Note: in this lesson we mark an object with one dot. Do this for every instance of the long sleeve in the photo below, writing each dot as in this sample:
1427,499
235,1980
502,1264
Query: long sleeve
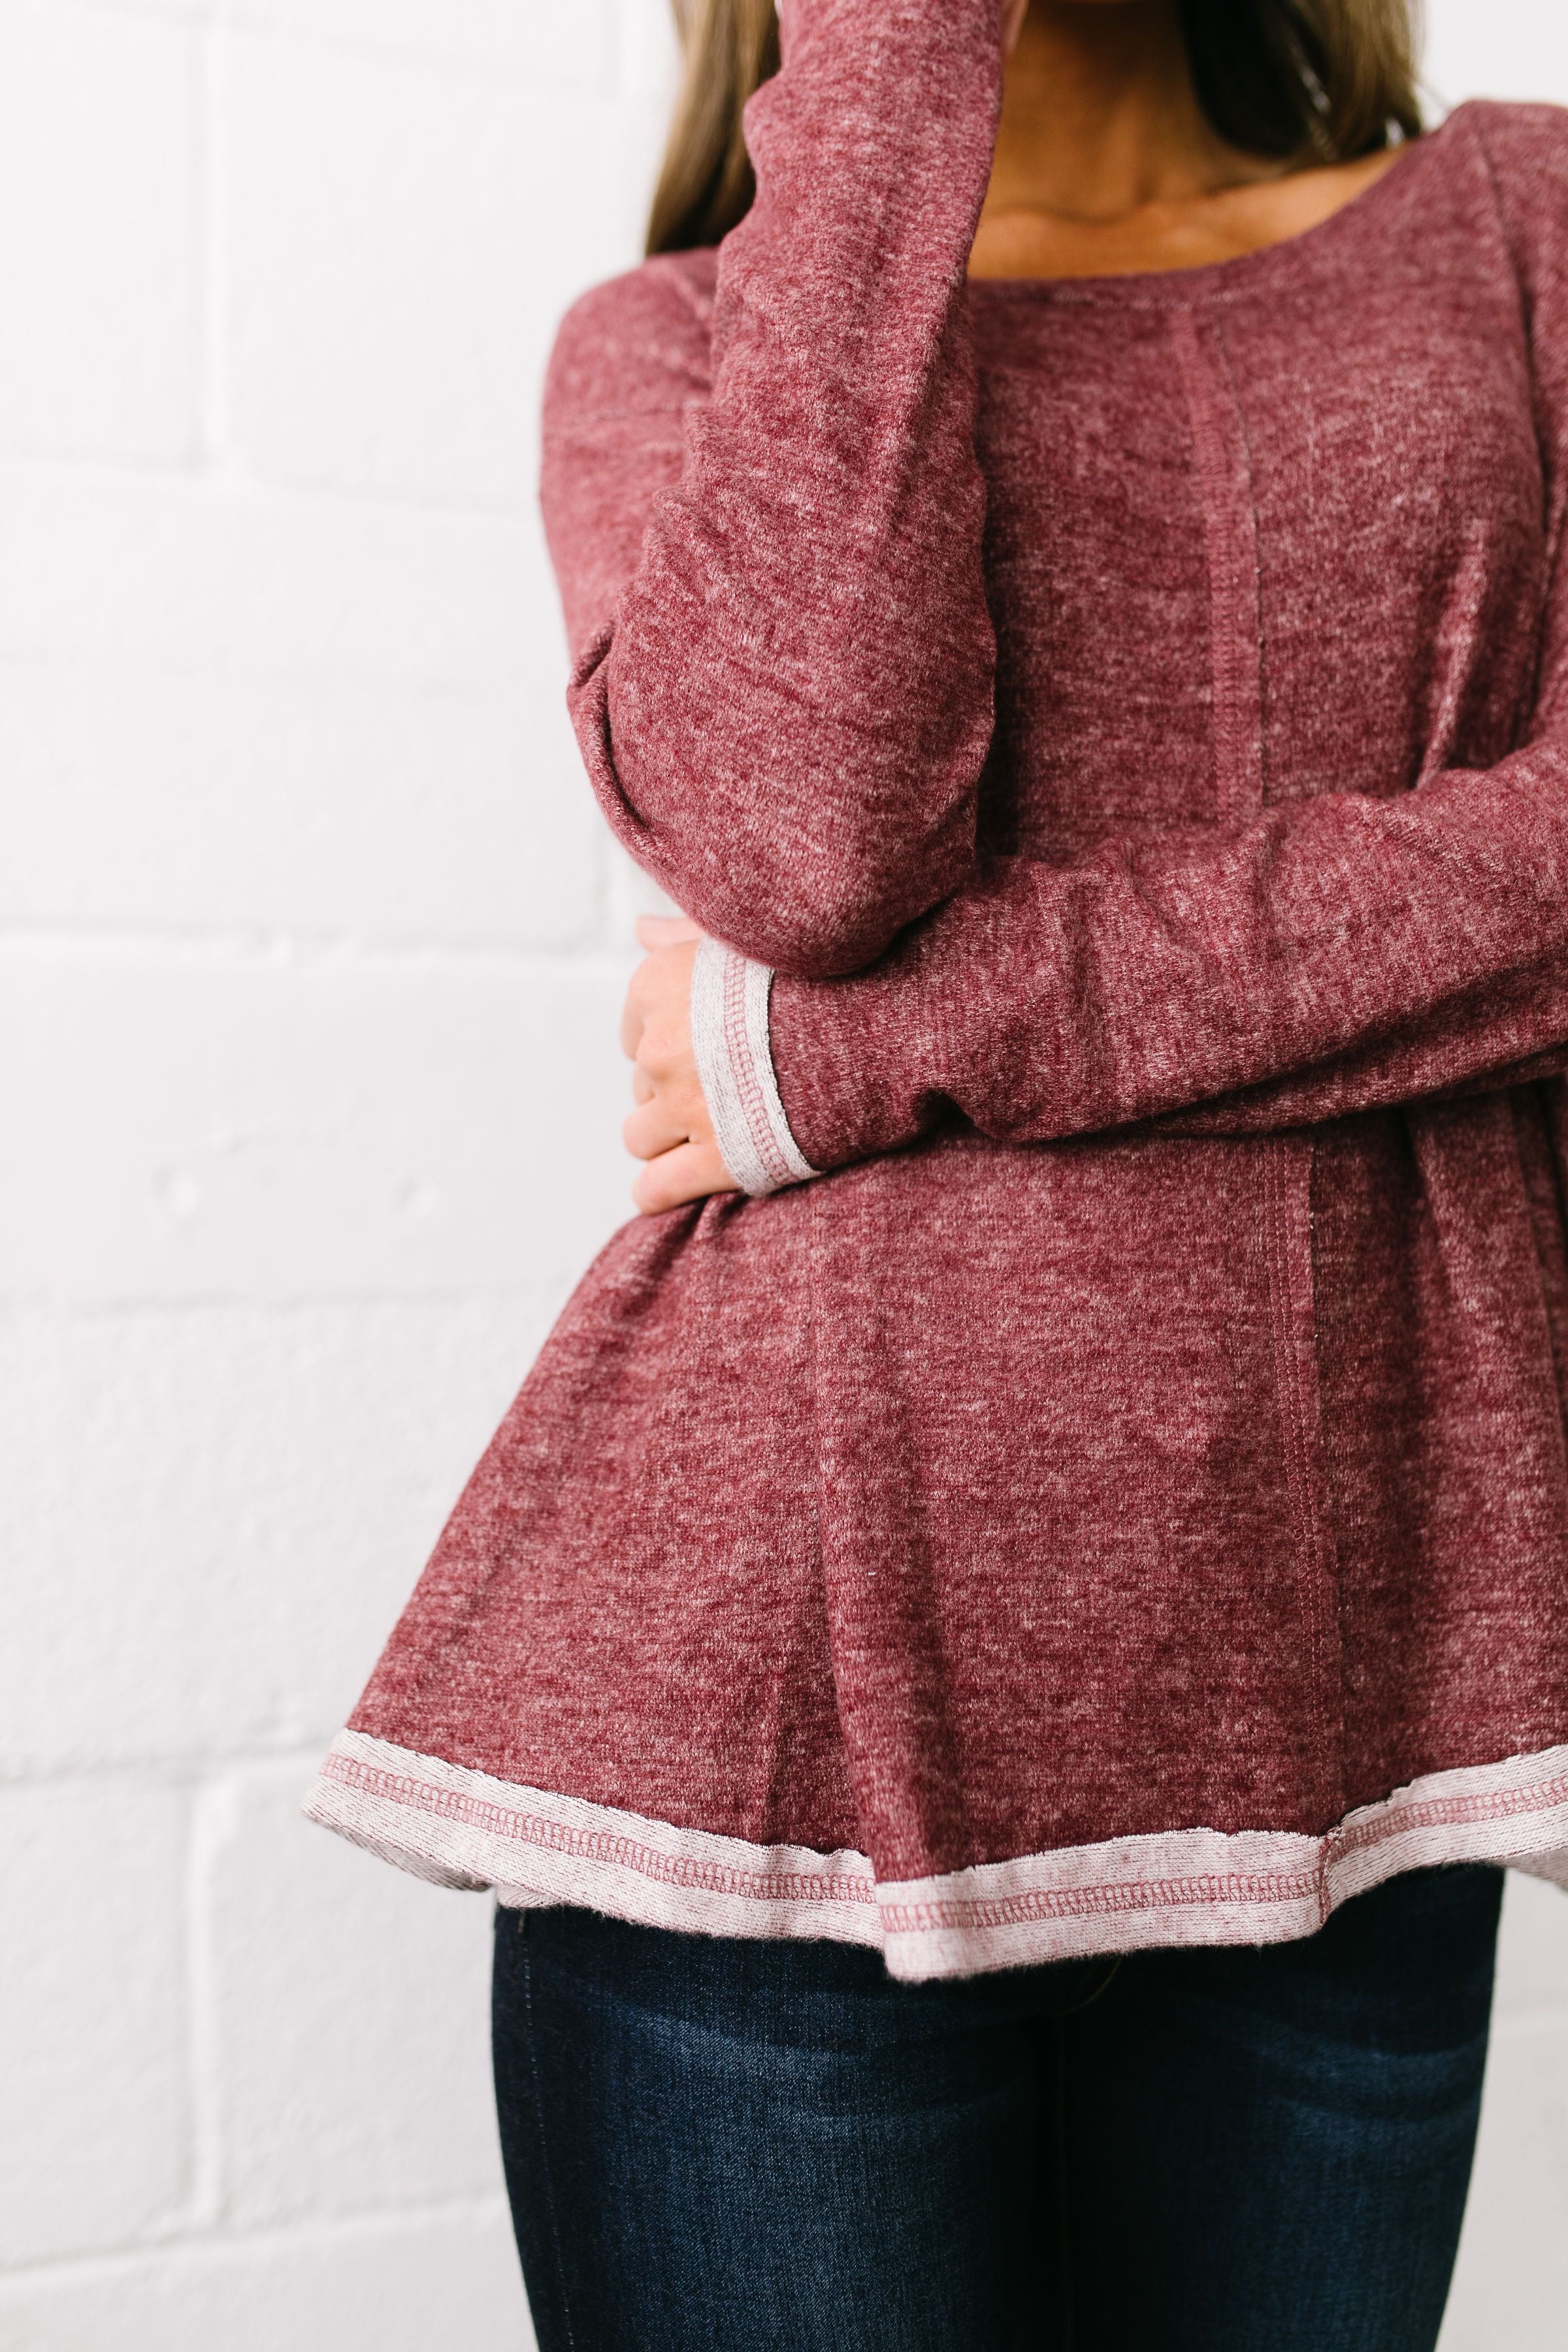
1340,954
1335,957
785,702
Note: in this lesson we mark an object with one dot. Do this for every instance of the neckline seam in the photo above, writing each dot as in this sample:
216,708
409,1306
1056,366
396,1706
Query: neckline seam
1152,289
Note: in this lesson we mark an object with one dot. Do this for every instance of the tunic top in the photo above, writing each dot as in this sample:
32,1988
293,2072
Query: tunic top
1115,732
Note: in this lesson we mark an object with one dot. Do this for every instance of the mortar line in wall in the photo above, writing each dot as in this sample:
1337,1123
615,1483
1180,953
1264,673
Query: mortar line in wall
543,1297
218,462
504,510
204,1773
603,90
538,1293
136,2252
163,12
602,897
507,687
316,952
20,456
214,1816
214,450
506,690
202,256
223,474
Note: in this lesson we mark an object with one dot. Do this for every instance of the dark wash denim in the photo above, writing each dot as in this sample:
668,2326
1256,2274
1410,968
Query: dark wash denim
747,2147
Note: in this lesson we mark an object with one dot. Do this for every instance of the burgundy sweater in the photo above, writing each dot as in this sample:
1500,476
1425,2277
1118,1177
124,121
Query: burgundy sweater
1115,732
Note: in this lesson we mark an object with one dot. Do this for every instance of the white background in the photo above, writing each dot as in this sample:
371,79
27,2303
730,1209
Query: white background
312,946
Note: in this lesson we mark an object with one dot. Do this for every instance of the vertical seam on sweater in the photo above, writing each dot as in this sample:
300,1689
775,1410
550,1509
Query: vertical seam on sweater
1224,462
1326,1587
1288,1171
1249,614
818,1211
1230,540
1548,1095
1516,1110
1285,1371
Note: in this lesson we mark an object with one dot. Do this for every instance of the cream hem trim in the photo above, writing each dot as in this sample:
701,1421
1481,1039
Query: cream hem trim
731,1047
461,1828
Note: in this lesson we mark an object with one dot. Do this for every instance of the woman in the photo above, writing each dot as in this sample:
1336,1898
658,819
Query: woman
992,1684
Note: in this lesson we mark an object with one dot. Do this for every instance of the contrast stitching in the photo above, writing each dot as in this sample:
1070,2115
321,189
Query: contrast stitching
713,1050
743,1071
1325,1589
729,1042
596,1845
1301,1484
1167,1892
1230,541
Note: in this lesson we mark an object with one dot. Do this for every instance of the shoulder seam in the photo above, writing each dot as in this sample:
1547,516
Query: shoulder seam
1472,124
612,295
613,416
1555,535
587,420
687,292
661,287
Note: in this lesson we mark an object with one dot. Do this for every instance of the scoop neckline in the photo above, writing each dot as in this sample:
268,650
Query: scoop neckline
1174,285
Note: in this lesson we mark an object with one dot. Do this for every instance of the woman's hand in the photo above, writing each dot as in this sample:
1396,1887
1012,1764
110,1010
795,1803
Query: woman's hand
1013,15
671,1127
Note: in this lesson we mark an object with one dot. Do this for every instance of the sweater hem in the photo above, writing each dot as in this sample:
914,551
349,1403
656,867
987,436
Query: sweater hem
462,1828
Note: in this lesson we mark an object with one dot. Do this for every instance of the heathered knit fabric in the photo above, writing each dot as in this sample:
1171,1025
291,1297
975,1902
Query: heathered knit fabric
1130,718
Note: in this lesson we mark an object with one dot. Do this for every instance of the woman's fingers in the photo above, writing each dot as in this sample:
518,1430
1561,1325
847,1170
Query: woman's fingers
652,1128
659,990
634,1012
690,1172
670,1128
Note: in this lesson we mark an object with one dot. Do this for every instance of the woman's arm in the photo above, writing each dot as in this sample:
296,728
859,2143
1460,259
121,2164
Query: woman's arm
703,1129
1340,953
784,706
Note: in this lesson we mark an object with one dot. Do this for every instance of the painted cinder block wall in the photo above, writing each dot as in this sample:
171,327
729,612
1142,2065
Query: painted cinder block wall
311,945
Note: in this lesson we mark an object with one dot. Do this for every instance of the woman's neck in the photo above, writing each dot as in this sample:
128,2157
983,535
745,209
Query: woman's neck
1105,161
1100,115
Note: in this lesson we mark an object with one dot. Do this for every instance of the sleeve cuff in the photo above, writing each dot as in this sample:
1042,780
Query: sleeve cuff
734,1061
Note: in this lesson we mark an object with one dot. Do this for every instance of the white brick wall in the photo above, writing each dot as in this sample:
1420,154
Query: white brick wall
298,884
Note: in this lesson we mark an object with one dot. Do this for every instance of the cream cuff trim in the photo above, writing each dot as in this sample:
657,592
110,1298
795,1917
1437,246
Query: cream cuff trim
730,1038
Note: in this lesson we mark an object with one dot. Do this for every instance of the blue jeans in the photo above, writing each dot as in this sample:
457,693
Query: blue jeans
744,2146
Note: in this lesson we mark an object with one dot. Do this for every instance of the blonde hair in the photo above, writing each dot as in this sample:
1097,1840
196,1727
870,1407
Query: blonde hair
731,47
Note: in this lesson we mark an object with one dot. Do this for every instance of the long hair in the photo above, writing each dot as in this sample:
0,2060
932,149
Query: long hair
705,186
1320,80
